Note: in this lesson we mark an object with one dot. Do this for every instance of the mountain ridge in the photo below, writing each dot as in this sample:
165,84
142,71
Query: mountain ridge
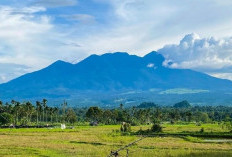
108,73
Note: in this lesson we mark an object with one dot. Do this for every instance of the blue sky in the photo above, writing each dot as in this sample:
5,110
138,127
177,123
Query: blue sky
192,34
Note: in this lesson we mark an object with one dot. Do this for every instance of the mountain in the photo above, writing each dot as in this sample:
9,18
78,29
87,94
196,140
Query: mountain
109,76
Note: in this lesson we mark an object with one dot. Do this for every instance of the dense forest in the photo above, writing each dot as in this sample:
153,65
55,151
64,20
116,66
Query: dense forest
40,114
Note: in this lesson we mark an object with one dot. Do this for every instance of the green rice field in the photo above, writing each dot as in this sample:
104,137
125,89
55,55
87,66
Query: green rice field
101,140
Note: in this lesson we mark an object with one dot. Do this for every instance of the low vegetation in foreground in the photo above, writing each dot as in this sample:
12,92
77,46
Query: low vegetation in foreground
101,140
180,130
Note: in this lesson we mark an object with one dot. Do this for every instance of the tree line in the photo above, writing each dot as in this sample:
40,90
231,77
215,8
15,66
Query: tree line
26,114
16,113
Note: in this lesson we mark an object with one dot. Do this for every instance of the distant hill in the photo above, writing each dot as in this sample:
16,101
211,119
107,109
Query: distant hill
106,79
147,105
182,104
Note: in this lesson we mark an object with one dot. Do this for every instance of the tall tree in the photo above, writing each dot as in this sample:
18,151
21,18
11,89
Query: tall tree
94,113
44,107
38,111
16,110
56,112
64,105
29,110
71,116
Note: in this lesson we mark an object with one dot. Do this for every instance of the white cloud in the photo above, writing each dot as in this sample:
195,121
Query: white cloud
222,75
33,37
21,34
150,65
208,55
25,10
54,3
31,40
10,70
140,26
199,53
83,18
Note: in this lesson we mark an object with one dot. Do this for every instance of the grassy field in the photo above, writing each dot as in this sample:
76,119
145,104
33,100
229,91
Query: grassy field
100,140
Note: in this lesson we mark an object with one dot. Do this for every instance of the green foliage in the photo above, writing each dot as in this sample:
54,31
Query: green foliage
6,118
71,116
202,130
42,114
156,128
147,105
198,124
202,117
125,127
94,113
182,104
24,121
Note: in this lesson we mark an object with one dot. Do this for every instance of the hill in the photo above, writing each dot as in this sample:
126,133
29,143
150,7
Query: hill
182,104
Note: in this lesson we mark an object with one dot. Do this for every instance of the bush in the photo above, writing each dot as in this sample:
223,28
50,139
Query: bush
202,130
125,127
172,122
134,122
198,124
156,128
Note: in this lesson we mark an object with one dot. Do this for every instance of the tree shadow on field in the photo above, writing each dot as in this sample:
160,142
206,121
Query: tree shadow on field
92,143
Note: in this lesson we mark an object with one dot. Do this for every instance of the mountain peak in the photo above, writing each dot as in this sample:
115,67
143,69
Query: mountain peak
59,64
155,57
95,56
116,54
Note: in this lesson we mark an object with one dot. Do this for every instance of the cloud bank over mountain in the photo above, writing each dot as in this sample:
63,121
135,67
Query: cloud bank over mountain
209,55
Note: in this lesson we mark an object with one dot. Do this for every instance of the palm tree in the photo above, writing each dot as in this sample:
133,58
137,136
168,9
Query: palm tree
64,105
52,112
13,102
46,113
1,106
16,111
56,111
8,108
29,110
44,107
38,109
121,106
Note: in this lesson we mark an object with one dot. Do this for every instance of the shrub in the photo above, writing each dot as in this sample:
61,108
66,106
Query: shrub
202,130
125,127
156,128
198,124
